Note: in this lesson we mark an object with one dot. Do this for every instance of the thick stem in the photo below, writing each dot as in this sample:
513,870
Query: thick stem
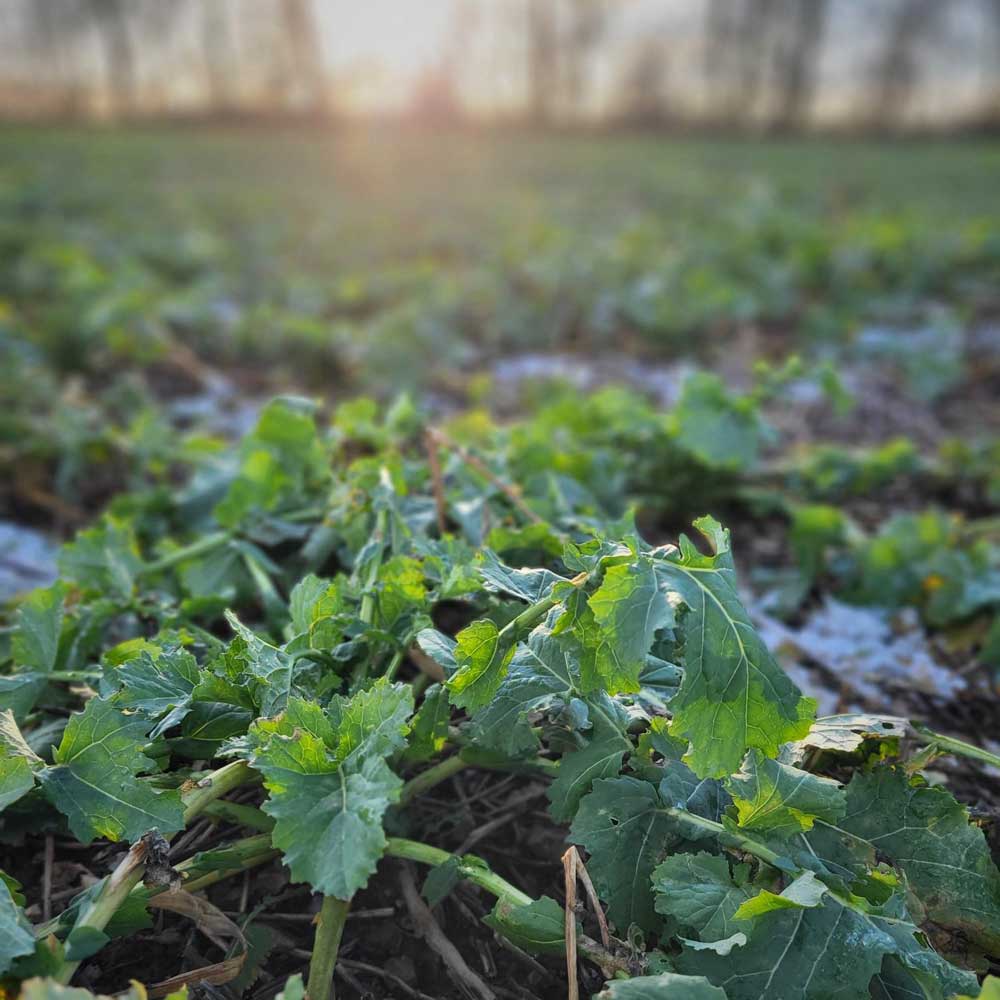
199,548
426,780
215,785
329,930
955,746
425,854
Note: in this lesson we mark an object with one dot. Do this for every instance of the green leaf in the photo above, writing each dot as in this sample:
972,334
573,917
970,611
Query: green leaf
16,937
94,780
482,656
716,427
628,608
529,585
328,786
51,989
430,725
16,779
922,830
601,758
159,686
328,818
622,826
734,696
104,559
665,986
782,800
374,722
271,670
699,893
440,648
39,625
804,893
538,928
294,989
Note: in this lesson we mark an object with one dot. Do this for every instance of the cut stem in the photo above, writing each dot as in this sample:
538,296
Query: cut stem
329,931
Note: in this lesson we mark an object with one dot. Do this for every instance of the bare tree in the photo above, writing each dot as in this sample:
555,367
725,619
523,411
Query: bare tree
587,24
897,67
644,100
307,71
111,20
542,58
798,60
218,53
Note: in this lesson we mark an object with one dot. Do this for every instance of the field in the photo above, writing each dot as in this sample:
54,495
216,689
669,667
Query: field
499,565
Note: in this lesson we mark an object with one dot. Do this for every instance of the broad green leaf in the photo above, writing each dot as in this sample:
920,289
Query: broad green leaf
16,779
104,558
328,786
718,428
530,585
159,686
374,721
429,731
271,669
782,800
39,624
294,989
538,928
441,648
922,830
990,991
51,989
328,818
665,986
628,608
734,696
19,692
16,936
600,758
482,656
94,779
699,893
623,827
402,591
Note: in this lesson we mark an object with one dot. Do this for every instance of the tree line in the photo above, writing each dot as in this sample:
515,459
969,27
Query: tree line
728,63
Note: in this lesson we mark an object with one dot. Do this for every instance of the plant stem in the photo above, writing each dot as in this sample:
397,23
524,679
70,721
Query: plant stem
199,548
533,614
394,664
956,746
214,786
426,780
239,814
425,854
329,930
333,912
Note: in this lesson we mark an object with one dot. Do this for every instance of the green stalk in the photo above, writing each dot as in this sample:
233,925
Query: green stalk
425,854
329,931
199,548
333,912
955,746
532,615
426,780
130,871
214,786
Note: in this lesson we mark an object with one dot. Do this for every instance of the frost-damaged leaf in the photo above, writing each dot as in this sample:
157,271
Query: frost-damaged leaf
623,827
699,893
925,832
16,936
483,656
666,986
628,608
734,696
328,784
782,800
846,733
806,943
159,686
39,623
94,779
538,927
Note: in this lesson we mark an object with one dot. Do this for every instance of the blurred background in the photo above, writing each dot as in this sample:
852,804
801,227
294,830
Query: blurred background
776,64
773,224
